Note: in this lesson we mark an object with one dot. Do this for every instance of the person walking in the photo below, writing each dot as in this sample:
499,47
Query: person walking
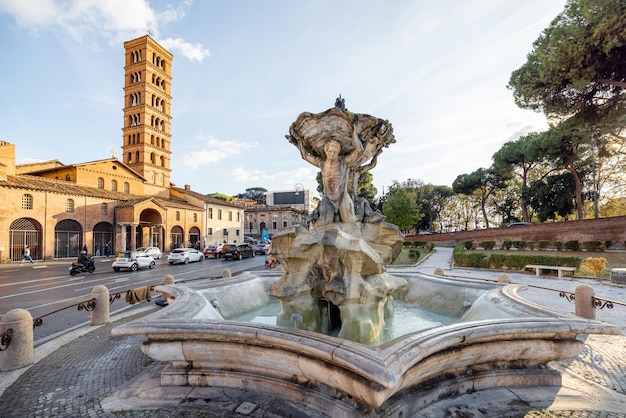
26,255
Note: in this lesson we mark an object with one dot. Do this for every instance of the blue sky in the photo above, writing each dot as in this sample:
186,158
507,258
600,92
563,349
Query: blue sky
244,70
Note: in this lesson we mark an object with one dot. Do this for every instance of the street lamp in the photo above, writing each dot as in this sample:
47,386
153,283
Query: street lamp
298,187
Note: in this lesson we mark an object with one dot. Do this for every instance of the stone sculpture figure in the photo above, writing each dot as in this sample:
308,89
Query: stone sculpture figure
341,264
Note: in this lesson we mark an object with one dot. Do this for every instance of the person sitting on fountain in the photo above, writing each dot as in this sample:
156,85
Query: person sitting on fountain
335,173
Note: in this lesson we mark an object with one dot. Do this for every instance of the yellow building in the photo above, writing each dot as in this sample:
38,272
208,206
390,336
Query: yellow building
110,204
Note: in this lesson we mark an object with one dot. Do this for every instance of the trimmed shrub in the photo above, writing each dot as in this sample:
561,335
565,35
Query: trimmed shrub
543,244
608,243
558,245
414,254
520,245
487,245
572,245
507,244
407,243
498,261
531,245
471,259
594,265
468,245
593,245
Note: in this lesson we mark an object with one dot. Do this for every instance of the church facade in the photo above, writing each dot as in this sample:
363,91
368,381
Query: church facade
113,204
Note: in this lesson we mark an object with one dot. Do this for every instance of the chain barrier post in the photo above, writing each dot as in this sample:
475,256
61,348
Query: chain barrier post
584,301
100,314
17,347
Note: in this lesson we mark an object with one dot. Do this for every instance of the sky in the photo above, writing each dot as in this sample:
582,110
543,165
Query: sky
244,70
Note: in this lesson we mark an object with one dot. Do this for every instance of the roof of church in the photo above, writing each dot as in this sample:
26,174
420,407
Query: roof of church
44,184
205,198
53,165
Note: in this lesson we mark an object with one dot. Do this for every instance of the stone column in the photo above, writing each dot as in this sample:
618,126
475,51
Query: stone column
584,301
20,351
100,315
122,244
133,236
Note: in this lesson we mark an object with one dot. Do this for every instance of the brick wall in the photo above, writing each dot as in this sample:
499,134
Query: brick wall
612,229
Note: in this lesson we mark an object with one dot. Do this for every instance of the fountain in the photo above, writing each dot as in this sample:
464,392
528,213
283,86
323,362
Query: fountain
335,278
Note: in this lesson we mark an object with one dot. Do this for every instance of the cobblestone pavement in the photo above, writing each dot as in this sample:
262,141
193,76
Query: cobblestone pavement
76,379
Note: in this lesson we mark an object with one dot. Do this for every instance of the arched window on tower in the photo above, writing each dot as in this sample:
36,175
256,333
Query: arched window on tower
152,157
129,157
136,156
162,158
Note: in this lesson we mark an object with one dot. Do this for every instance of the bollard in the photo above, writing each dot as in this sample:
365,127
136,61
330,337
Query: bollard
20,350
584,301
226,273
504,278
168,279
100,314
439,272
166,298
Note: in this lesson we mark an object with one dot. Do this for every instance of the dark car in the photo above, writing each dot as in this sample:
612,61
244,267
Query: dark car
262,249
237,251
213,251
519,224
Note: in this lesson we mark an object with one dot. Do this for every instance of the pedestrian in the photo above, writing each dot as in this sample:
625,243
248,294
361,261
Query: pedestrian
107,249
26,255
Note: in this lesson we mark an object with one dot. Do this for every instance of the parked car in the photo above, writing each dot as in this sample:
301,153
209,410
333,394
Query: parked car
262,249
237,251
213,251
153,252
132,260
185,255
519,224
249,240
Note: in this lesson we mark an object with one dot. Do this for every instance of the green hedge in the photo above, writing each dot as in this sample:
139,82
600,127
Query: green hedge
463,258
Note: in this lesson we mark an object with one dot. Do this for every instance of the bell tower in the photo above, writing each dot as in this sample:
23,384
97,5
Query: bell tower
147,115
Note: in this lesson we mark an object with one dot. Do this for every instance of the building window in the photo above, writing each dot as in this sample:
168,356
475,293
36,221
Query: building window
230,215
219,214
195,217
274,225
284,224
69,206
237,232
209,231
210,213
104,209
126,187
114,185
100,183
67,177
177,215
250,226
238,217
27,201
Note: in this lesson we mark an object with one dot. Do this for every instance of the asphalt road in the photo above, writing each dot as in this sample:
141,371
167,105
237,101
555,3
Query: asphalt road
47,287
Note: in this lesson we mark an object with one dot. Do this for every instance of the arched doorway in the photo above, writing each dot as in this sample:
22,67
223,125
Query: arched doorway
102,235
176,237
150,224
25,231
68,238
194,237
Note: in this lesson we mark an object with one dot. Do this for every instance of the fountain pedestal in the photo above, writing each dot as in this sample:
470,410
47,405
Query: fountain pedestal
335,277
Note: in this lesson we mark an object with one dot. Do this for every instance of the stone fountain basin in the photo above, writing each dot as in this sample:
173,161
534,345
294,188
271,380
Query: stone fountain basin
500,340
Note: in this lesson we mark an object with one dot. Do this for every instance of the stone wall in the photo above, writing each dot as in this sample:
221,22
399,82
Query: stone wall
612,229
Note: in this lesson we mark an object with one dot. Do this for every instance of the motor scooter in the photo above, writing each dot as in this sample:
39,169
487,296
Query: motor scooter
87,267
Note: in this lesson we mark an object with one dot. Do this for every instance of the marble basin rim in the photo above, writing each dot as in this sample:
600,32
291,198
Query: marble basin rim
501,339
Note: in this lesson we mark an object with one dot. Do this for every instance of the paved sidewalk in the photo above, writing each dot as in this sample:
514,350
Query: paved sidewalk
87,372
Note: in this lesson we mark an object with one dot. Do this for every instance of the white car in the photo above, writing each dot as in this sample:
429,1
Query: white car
153,252
132,260
185,255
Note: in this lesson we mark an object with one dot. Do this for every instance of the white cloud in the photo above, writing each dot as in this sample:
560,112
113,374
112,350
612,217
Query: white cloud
214,150
189,51
114,20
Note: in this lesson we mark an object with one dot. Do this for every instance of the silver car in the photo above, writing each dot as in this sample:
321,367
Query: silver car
153,252
132,260
185,255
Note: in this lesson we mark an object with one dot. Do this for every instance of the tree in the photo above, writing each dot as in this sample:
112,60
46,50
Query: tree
577,68
254,193
400,209
430,201
484,181
552,197
221,196
521,156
